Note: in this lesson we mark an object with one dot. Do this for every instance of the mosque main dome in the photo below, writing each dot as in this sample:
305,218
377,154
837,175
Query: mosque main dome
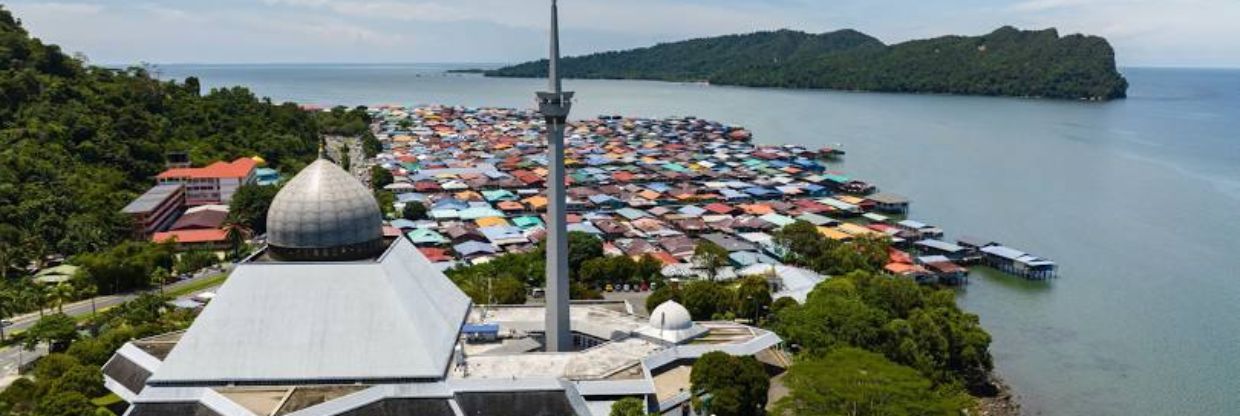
324,214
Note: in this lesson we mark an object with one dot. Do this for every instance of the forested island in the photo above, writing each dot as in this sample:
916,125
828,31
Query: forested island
1006,62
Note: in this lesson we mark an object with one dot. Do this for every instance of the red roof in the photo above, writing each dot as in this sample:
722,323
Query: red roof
435,255
718,208
239,168
191,236
665,257
390,231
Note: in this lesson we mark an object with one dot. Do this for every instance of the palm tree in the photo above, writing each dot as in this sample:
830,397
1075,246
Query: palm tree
35,297
60,294
160,277
236,233
89,290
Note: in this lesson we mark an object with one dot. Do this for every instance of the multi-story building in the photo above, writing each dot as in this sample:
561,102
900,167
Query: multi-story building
156,209
214,184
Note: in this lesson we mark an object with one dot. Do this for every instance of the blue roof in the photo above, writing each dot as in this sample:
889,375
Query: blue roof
403,223
480,328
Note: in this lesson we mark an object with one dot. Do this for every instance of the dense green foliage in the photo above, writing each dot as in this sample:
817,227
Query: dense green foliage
1007,62
711,257
851,381
249,205
737,385
910,324
380,177
78,142
63,383
55,329
600,271
707,300
125,266
699,59
807,248
413,211
628,406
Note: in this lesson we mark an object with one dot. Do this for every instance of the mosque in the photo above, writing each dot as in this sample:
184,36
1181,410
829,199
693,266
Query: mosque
332,318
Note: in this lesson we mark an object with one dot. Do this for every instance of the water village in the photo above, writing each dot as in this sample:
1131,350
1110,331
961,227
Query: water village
650,187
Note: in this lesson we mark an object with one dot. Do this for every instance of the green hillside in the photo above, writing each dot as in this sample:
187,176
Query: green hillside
78,142
1007,62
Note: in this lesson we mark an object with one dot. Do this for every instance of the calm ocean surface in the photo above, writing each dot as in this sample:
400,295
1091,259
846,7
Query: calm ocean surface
1138,200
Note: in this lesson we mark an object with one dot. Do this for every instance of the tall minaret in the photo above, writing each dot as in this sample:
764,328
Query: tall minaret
554,106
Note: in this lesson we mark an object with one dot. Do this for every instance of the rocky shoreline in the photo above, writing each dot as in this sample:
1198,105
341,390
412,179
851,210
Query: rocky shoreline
1005,402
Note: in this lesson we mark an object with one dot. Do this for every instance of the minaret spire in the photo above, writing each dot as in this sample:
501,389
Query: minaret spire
553,64
554,106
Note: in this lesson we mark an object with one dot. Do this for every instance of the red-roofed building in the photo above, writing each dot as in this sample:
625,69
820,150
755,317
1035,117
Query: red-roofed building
206,239
718,208
213,184
435,255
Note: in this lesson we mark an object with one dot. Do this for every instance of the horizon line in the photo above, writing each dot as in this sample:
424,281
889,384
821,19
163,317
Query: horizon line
465,65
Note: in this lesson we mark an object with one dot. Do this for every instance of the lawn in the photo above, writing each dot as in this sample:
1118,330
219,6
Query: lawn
197,285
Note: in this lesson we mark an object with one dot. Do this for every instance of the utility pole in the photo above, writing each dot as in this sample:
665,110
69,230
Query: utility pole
554,106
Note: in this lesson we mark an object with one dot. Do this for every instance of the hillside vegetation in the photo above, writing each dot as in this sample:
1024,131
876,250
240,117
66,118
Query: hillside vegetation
1007,62
78,142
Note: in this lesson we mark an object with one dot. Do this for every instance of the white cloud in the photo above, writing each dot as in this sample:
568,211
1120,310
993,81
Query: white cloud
37,10
1158,32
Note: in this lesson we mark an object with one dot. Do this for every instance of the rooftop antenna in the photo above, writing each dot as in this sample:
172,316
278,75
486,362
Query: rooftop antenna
554,106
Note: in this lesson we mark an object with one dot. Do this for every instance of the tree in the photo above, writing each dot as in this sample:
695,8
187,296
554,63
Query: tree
911,325
11,250
60,294
707,300
346,162
55,329
87,380
413,211
738,385
64,403
159,278
8,307
711,257
662,294
127,265
249,206
380,177
507,291
857,382
581,247
387,202
236,233
195,260
371,145
628,406
578,291
753,298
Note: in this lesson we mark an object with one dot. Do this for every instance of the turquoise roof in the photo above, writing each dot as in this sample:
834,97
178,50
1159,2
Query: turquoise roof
527,222
426,236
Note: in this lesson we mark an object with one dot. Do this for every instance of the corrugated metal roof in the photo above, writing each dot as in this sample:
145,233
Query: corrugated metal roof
397,318
151,199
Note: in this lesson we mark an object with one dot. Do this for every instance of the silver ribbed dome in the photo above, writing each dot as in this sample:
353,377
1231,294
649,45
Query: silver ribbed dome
324,213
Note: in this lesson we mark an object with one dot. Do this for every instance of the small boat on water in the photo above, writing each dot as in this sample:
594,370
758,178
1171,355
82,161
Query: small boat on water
831,152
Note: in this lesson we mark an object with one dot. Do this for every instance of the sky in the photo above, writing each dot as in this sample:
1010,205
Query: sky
1182,33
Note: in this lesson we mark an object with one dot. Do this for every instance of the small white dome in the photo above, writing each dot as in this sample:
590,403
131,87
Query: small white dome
671,316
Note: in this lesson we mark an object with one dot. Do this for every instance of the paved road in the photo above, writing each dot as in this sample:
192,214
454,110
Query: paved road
10,356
